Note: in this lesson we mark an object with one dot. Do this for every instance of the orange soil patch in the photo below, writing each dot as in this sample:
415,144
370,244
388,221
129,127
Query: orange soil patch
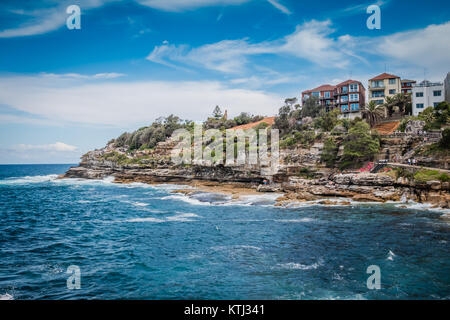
387,127
269,120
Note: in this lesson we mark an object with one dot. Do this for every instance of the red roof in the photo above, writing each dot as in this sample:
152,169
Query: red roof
348,82
384,76
325,87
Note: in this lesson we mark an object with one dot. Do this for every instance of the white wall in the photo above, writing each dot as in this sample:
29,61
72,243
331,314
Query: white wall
428,99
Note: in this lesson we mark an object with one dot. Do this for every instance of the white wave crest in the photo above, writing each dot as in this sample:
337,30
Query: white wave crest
179,217
390,256
296,220
28,179
299,266
6,296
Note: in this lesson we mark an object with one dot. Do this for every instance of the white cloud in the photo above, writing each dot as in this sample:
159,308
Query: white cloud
424,48
311,41
181,5
279,6
106,75
56,147
127,103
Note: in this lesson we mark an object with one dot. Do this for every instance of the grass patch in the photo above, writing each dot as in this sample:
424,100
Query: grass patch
425,175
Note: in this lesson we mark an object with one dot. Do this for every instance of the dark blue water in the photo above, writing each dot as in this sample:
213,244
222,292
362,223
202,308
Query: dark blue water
142,242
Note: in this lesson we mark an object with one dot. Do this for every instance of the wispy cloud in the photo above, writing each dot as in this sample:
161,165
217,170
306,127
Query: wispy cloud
41,20
182,5
361,8
279,6
106,75
311,41
57,147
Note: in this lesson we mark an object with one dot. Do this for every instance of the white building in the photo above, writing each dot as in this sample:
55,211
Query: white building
426,94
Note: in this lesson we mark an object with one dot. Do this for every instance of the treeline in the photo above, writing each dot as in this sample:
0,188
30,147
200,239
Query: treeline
148,137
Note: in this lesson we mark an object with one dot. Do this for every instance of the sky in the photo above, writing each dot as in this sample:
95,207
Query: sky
66,91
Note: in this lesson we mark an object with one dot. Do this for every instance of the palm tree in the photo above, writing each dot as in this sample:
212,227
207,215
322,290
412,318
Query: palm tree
373,112
389,105
403,101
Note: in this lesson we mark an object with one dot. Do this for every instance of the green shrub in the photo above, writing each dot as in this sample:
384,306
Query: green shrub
425,175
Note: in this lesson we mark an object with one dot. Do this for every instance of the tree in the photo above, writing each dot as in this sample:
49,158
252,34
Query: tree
311,107
444,143
389,105
403,101
359,144
290,102
441,113
282,121
217,113
329,152
327,120
427,115
372,113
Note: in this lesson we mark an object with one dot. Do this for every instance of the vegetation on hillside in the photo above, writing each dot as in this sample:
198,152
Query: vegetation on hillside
148,137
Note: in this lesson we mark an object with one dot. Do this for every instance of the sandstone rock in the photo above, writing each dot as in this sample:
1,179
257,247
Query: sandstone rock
365,197
269,188
434,184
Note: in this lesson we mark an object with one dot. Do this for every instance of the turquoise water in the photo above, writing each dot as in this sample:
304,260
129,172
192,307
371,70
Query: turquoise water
142,242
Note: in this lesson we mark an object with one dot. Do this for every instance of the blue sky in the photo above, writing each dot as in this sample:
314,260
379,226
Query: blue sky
64,92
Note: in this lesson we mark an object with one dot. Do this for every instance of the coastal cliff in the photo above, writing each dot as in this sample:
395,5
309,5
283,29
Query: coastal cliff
301,177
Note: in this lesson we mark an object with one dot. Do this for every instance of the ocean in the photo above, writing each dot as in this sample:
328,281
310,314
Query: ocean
138,241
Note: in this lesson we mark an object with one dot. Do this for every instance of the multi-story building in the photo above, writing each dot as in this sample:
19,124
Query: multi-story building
426,94
349,96
325,94
382,86
407,86
447,87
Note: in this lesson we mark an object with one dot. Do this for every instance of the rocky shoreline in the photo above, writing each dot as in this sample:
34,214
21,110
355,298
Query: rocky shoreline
358,187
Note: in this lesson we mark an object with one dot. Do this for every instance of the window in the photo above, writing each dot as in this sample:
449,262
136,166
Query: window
353,87
378,94
344,108
344,98
392,91
437,93
316,94
435,104
377,84
344,89
419,106
326,94
354,106
419,94
392,81
379,101
354,97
